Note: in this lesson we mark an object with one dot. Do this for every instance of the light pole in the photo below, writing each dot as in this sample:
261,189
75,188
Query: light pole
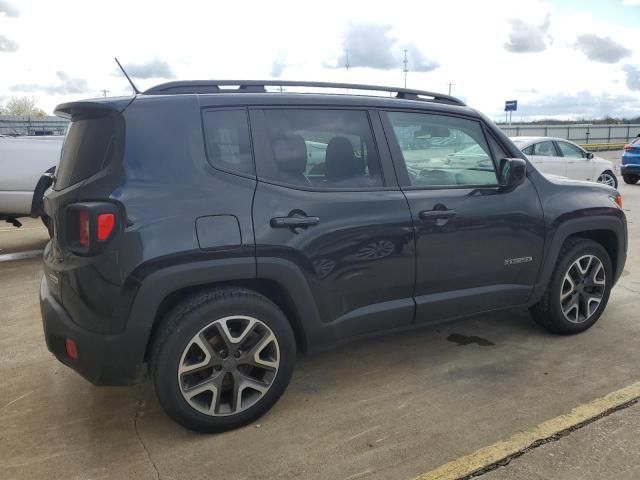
406,67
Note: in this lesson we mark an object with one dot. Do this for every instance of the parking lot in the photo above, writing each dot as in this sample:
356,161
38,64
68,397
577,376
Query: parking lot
399,406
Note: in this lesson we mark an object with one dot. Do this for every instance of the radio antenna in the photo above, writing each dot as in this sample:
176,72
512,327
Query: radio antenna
135,89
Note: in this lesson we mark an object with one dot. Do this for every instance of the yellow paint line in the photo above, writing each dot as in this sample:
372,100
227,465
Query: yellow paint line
500,450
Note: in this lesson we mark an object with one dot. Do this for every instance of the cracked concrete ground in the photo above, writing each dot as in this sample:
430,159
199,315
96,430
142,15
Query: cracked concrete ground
608,448
392,407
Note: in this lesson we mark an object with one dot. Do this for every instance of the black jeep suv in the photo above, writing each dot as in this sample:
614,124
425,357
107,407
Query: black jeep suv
213,230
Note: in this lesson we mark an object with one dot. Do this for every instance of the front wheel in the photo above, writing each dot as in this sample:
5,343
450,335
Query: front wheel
579,288
222,359
608,178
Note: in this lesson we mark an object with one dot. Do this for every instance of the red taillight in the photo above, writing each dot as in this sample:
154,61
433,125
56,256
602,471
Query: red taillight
628,148
618,200
90,227
70,347
106,221
83,230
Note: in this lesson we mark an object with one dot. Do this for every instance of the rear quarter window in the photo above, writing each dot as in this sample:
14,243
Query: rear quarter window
228,140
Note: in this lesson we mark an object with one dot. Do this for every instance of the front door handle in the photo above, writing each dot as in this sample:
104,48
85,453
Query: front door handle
294,222
436,214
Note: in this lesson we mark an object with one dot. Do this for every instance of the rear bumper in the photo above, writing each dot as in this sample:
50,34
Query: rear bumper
102,359
630,169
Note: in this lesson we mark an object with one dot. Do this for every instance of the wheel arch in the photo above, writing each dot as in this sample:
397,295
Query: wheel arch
161,290
607,230
269,288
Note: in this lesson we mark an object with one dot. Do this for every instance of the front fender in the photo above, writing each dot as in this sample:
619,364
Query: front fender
564,227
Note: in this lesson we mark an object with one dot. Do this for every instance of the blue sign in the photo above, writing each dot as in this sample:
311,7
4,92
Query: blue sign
511,105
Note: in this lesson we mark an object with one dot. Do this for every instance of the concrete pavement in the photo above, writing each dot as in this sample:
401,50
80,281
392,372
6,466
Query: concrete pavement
608,448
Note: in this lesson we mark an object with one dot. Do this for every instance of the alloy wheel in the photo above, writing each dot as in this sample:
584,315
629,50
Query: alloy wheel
229,365
607,179
583,288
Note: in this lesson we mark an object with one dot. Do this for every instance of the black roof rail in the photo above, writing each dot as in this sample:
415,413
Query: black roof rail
253,86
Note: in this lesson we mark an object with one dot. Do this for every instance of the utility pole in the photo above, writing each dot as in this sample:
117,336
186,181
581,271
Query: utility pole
406,67
450,85
104,92
347,65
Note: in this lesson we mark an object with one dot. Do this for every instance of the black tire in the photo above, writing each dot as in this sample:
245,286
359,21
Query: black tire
630,179
548,311
612,176
190,317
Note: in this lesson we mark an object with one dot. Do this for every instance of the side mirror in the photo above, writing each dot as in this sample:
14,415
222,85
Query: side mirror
512,172
590,155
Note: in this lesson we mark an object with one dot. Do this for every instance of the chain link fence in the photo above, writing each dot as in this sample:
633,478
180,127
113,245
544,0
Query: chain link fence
18,125
581,134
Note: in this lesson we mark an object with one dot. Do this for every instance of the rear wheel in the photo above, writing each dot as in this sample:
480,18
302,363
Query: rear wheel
630,179
222,359
608,178
579,288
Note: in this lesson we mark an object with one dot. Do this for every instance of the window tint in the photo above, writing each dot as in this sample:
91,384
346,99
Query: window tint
544,149
497,150
88,147
440,150
228,141
320,148
569,150
528,150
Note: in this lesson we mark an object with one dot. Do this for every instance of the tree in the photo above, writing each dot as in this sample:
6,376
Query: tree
23,106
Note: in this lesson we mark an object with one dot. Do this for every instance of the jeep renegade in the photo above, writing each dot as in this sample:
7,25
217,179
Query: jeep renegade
207,232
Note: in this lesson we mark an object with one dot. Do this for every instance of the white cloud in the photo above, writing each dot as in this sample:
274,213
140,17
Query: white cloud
155,68
198,39
632,73
528,38
601,49
7,45
8,9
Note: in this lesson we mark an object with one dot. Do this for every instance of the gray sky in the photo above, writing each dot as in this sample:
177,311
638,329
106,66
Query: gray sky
562,58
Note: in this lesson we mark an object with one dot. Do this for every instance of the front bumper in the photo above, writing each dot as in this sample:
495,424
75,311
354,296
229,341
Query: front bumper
102,359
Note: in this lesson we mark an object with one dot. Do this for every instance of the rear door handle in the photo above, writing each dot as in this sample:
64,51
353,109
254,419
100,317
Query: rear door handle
294,222
436,214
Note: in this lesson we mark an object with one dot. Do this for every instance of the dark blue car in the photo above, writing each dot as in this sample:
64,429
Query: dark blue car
630,165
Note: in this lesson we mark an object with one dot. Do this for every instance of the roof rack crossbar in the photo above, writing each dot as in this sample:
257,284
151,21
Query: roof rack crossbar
213,86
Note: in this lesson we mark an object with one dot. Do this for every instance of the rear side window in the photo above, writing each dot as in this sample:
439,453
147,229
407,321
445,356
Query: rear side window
544,149
320,149
228,140
90,144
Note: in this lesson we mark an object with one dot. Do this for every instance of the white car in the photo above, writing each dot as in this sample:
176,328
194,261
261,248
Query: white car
23,160
558,156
